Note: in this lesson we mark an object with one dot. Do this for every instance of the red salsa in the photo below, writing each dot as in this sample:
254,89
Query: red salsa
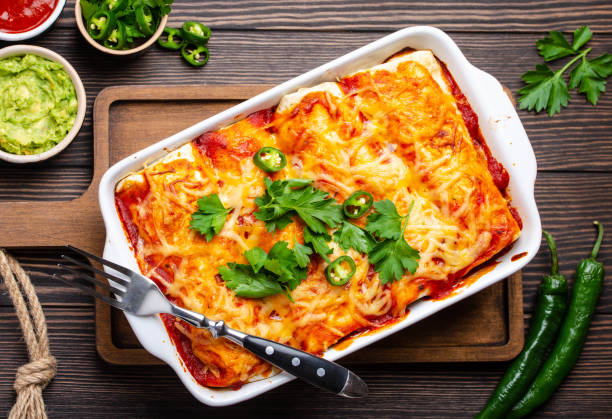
17,16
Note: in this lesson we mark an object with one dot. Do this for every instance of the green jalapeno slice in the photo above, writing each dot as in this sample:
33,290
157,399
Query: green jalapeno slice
100,24
340,271
270,159
196,33
168,41
117,37
196,55
357,204
115,5
145,20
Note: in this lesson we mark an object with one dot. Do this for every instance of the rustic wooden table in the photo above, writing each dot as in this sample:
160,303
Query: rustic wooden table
269,42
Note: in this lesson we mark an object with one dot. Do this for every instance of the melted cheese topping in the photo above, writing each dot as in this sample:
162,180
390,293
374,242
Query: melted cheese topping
393,130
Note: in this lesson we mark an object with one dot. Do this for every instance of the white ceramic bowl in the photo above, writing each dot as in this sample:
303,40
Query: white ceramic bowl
80,95
33,33
501,128
78,16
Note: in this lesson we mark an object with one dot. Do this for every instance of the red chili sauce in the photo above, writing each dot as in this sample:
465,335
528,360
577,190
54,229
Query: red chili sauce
518,256
17,16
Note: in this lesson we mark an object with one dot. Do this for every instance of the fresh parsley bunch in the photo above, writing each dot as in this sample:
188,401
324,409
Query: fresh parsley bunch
548,90
210,217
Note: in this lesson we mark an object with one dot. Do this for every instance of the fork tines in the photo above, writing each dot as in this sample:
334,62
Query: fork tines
118,288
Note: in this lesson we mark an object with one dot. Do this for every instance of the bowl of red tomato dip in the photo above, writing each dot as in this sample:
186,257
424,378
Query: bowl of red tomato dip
26,19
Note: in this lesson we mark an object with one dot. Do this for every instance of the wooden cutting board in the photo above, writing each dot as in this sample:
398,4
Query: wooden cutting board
485,327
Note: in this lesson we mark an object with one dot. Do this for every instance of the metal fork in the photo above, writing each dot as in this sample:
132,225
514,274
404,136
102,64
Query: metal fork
139,295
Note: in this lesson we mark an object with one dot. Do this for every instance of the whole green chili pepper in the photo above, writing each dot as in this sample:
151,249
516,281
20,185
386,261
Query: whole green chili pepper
545,322
587,289
170,42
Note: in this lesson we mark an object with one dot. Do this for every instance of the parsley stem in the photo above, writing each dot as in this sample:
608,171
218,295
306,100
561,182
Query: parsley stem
569,64
405,217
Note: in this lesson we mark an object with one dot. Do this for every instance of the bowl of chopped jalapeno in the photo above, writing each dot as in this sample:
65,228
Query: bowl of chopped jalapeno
121,27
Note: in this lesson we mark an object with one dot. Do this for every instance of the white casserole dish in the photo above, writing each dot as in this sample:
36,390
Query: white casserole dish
500,126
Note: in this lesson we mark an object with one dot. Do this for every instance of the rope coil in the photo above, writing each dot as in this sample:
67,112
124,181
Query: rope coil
34,376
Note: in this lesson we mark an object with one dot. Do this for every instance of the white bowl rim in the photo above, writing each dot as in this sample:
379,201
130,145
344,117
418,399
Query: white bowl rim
78,16
498,122
80,95
32,33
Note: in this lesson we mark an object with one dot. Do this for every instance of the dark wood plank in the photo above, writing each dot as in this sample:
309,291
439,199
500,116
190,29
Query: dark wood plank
84,382
458,15
582,127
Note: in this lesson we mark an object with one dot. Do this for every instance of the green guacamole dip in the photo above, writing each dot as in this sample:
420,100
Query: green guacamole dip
38,104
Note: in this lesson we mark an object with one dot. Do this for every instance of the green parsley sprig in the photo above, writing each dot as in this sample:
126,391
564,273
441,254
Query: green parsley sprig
393,256
548,90
210,216
285,199
279,271
351,236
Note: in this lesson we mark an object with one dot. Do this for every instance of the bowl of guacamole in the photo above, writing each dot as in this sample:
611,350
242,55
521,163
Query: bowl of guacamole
42,103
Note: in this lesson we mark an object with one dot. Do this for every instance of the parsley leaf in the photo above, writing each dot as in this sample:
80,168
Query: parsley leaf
582,35
349,235
273,273
385,222
283,262
393,256
554,46
284,199
256,258
548,90
246,283
544,90
318,243
591,76
302,254
210,216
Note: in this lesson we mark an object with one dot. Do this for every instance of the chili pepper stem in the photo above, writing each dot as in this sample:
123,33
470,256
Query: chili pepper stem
553,252
599,239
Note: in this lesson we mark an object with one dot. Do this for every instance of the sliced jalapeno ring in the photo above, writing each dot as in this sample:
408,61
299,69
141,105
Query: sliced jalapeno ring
270,159
115,5
167,39
196,55
100,24
145,20
340,271
357,204
117,37
196,33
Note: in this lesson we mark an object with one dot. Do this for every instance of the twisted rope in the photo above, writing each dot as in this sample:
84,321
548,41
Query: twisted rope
33,377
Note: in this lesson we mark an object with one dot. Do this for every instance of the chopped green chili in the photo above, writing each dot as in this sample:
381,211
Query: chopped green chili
340,271
169,41
196,33
357,204
270,159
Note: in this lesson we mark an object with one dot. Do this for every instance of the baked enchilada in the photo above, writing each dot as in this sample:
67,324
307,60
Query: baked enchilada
401,131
